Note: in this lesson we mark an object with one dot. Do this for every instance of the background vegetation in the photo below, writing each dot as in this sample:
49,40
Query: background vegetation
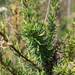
37,37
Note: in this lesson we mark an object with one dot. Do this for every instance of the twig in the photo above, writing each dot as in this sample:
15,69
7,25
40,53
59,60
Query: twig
46,17
11,46
17,51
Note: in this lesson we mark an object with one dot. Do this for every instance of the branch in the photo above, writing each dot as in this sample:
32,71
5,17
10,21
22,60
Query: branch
17,51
